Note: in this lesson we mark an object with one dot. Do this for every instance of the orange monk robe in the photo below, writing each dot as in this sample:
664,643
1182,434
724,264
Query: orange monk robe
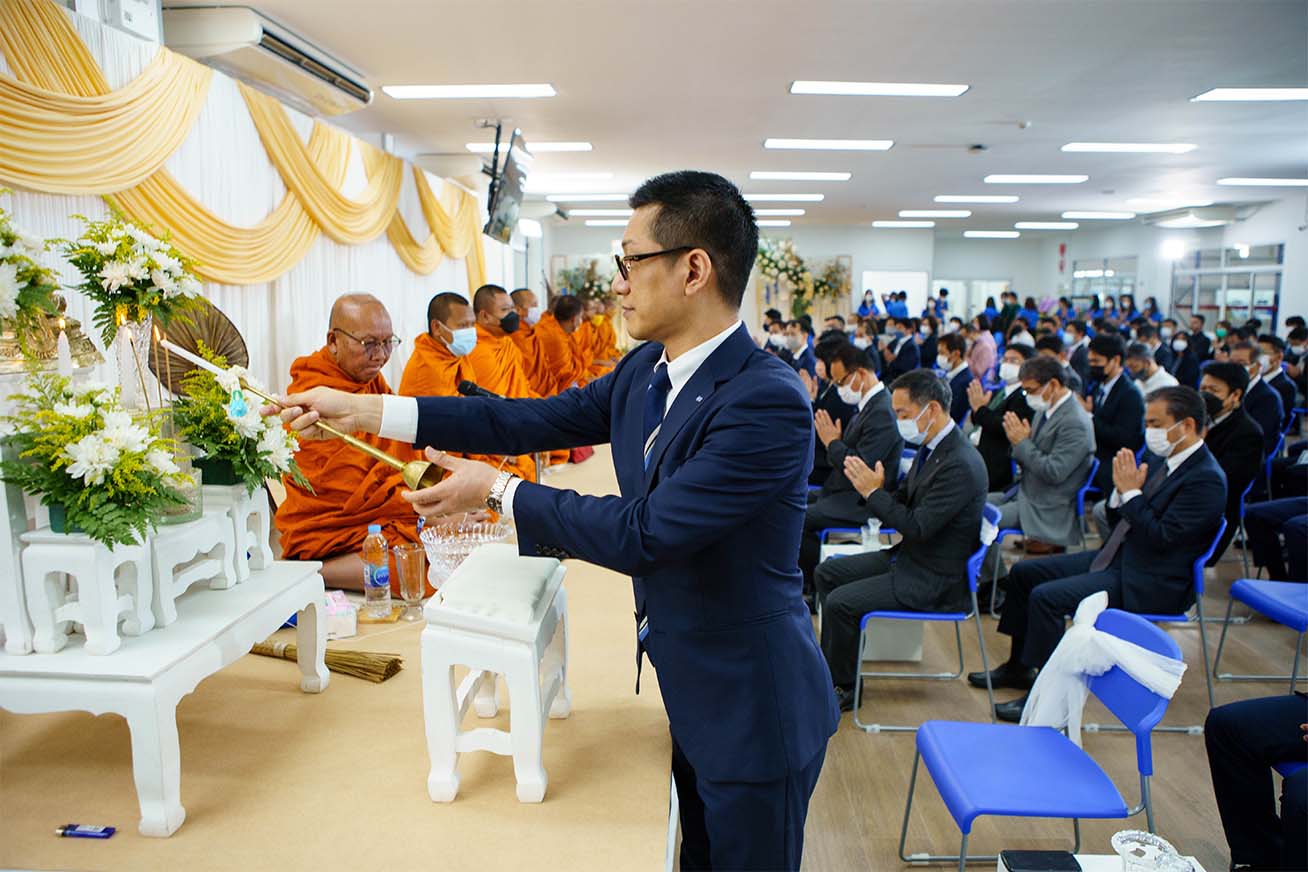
498,364
595,341
606,344
533,360
563,352
351,490
584,338
435,371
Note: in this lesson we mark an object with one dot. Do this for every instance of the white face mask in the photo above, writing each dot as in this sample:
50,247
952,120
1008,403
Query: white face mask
848,395
1037,402
1157,442
952,328
1265,361
1165,332
794,343
777,340
1298,349
1179,345
862,342
925,330
942,362
1008,372
534,313
908,428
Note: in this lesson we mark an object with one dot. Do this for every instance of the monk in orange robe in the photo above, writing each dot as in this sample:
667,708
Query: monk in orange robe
594,340
350,489
606,349
440,360
558,335
534,362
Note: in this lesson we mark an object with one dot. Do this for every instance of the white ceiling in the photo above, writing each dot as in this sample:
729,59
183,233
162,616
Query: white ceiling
701,83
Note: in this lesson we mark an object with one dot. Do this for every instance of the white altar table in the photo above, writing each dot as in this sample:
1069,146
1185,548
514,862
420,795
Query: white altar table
146,678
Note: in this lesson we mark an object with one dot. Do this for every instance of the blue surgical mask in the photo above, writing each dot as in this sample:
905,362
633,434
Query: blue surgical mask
464,341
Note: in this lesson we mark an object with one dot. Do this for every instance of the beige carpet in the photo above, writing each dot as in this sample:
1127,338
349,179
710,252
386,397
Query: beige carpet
273,778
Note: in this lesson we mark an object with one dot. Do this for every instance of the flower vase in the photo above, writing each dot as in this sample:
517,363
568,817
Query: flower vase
59,520
133,348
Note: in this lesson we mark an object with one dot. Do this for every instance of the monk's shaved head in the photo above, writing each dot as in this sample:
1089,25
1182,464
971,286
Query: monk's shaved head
566,308
446,307
357,322
486,297
352,308
494,310
523,298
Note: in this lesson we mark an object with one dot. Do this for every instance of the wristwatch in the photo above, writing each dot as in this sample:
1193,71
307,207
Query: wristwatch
495,499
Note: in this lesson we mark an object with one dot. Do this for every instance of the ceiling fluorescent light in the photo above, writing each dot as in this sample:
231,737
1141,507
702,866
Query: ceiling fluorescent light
991,234
1046,225
1028,179
769,176
588,198
1151,204
600,213
778,213
774,223
466,92
605,222
903,225
935,213
533,147
1100,216
976,198
1188,222
830,144
1132,147
1250,95
1264,183
785,198
877,89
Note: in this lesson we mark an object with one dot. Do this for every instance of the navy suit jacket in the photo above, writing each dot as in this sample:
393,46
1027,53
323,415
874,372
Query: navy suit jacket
906,360
709,533
1119,423
1283,385
1263,404
958,404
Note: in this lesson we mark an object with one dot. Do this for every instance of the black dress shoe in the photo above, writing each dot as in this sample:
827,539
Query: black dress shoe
845,698
1011,675
1011,711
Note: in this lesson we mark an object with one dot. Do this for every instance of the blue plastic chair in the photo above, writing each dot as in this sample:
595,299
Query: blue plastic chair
1244,538
1267,465
1288,768
1080,497
978,767
991,514
1286,603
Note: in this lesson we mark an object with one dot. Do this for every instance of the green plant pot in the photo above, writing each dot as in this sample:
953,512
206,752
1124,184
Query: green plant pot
216,471
59,520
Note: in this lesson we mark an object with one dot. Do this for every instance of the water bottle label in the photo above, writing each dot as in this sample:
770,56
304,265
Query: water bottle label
377,576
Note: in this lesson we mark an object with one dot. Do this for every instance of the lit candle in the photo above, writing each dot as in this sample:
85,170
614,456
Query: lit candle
64,352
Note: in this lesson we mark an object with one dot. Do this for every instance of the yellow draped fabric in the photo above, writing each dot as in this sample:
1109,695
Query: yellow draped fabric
63,130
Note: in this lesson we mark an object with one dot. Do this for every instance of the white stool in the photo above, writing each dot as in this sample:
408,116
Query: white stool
98,604
251,519
176,567
503,614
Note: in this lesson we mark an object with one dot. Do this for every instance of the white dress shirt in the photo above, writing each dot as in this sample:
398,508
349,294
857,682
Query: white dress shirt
949,376
400,414
881,386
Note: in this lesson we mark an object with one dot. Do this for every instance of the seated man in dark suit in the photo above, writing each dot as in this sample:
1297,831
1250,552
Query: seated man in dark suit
802,356
1115,405
1052,346
988,411
1271,354
1261,401
1199,341
1233,438
937,511
1147,335
951,356
1267,524
1245,740
1164,514
901,355
872,435
1076,340
824,393
1290,473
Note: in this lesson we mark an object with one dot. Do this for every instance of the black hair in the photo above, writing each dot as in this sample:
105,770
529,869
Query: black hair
1298,333
1296,321
982,320
567,307
1200,316
954,342
706,211
1233,375
1078,324
1182,402
1146,331
1275,341
773,315
440,306
829,346
924,386
1026,351
1138,351
850,358
1109,345
1050,343
485,297
1030,303
835,318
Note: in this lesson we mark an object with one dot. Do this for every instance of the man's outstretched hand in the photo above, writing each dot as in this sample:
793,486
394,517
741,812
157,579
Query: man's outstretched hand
349,413
464,490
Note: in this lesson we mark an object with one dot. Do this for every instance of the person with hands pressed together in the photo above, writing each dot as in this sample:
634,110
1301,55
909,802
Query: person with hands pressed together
1164,514
712,443
988,411
937,511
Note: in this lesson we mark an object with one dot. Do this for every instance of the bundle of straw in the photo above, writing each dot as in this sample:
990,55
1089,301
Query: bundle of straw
375,667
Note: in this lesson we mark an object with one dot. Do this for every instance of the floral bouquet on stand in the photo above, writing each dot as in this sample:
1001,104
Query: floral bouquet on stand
27,288
101,470
586,282
239,445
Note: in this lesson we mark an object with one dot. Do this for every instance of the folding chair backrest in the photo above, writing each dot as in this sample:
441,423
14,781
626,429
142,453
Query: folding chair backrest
989,513
1137,707
1089,483
1202,560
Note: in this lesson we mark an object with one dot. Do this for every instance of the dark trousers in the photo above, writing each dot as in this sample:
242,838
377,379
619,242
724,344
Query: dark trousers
1289,477
1043,592
847,589
1244,739
743,825
835,510
1265,523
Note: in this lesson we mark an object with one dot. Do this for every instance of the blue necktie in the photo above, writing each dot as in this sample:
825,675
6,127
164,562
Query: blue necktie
656,398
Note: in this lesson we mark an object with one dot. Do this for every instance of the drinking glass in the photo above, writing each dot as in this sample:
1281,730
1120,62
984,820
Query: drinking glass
872,535
411,563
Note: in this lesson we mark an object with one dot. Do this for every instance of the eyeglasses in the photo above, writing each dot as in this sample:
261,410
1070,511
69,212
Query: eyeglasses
625,261
373,346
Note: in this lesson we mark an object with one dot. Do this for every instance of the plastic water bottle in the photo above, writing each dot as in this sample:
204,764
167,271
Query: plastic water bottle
376,573
872,535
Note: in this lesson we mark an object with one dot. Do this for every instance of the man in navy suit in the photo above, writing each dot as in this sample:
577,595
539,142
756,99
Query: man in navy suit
1271,354
1115,405
1261,401
1165,513
952,358
901,355
712,442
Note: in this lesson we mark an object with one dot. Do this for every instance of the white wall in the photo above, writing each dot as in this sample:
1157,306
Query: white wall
1015,260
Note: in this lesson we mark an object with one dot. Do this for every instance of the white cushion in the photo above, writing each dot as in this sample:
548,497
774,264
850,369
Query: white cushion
495,582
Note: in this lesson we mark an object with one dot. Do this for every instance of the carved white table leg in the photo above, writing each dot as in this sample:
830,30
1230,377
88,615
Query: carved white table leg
441,716
258,526
141,618
487,701
156,761
251,519
98,603
561,707
13,612
527,730
97,595
44,597
311,647
210,537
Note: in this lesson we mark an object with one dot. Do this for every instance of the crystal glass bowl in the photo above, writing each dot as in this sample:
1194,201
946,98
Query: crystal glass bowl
448,546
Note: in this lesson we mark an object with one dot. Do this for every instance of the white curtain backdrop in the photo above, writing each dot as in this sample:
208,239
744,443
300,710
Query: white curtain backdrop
224,165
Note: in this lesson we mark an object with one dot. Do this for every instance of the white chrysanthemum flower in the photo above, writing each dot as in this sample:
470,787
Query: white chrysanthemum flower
249,425
92,458
167,263
277,446
124,435
105,248
8,290
162,462
188,285
30,244
114,274
137,268
163,281
143,239
73,410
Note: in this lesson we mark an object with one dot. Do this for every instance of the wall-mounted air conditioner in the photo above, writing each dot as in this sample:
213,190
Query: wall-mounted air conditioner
244,44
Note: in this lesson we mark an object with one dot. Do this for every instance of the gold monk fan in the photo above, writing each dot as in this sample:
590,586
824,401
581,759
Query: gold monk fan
181,348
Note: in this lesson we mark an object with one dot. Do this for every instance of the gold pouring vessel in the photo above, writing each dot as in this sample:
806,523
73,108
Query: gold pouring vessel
417,474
